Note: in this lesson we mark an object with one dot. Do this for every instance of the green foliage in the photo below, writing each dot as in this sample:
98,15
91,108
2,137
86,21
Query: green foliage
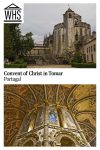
19,61
11,41
27,43
84,65
9,53
24,65
77,57
15,44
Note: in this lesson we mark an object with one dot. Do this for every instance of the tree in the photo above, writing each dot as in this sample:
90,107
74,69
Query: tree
27,43
11,41
77,57
8,47
16,34
15,44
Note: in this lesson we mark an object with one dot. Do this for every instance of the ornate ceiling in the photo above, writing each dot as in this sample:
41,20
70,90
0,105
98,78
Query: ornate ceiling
19,100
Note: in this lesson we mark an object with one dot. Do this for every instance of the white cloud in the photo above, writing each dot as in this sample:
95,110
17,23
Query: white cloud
41,18
38,38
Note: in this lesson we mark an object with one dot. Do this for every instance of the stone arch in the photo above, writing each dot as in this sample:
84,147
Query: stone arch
28,142
65,139
29,139
31,142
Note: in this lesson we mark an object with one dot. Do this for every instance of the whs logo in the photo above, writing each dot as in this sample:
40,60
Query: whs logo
13,13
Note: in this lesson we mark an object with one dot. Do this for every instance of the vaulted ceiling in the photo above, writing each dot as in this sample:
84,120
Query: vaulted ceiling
21,99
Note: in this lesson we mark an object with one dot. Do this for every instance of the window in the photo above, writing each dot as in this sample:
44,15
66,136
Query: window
76,37
91,49
87,50
76,22
70,15
94,47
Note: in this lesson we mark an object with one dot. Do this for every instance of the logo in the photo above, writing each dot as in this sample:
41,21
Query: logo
13,14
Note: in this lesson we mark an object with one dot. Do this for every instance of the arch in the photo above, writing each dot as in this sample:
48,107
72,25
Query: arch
66,141
87,98
71,91
88,126
85,112
65,138
17,95
28,139
29,143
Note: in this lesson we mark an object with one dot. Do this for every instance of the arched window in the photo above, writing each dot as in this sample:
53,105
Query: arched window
70,15
65,141
76,22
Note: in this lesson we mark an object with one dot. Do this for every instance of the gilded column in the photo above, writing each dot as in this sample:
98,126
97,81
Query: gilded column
46,125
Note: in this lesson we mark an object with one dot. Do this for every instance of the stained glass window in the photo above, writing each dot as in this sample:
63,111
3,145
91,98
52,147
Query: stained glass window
52,117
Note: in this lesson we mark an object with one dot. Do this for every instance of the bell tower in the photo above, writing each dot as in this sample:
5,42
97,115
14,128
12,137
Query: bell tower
68,19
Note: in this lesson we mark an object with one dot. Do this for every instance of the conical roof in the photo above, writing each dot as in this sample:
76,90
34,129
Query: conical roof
70,10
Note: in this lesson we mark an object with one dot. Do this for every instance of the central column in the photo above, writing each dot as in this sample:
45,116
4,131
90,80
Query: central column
46,125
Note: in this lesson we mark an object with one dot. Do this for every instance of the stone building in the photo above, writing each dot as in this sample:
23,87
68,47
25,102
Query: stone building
89,49
71,30
48,42
50,115
38,55
70,35
38,50
58,44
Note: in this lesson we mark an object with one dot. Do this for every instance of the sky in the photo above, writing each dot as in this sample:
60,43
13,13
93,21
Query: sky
41,18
